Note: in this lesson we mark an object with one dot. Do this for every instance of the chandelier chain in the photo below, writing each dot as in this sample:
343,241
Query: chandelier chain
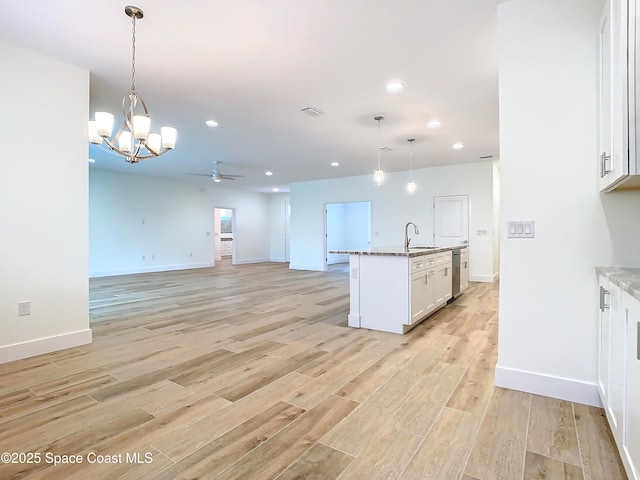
133,53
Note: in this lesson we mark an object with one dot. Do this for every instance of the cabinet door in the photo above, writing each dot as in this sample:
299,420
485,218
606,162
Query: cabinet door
631,437
613,97
464,271
604,340
618,363
418,294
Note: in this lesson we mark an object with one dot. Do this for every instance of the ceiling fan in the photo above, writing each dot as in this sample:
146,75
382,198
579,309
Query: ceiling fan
216,175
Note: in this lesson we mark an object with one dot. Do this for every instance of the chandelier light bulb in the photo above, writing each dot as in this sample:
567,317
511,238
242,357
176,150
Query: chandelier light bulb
411,187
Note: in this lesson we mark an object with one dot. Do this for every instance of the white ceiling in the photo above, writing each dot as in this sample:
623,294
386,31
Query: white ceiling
253,64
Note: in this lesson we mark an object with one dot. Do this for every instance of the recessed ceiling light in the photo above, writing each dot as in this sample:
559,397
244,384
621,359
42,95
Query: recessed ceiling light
268,173
458,146
211,123
394,86
276,189
91,160
433,124
335,164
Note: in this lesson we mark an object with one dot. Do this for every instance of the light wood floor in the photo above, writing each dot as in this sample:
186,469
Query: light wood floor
249,372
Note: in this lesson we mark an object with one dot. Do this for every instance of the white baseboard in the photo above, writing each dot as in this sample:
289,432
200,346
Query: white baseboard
548,386
161,268
316,268
484,278
18,351
278,260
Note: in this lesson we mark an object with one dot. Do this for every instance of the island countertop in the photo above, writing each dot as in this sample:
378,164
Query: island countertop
628,279
397,251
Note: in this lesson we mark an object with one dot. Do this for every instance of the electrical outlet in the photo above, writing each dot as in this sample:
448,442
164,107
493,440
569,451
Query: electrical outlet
24,308
354,272
143,257
153,257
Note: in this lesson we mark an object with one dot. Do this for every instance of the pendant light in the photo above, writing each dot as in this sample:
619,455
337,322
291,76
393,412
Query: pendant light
378,175
411,186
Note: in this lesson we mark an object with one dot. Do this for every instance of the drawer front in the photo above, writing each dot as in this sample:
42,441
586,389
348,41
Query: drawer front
418,264
442,258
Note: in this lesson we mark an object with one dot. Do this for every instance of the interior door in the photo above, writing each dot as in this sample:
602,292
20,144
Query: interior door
450,220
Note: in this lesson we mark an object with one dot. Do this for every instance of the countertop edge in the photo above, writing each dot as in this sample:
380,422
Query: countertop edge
399,252
628,279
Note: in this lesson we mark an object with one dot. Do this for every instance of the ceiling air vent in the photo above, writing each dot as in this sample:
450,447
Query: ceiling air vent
486,157
313,111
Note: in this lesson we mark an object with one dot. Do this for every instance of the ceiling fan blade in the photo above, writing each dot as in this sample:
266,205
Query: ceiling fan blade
229,175
226,177
201,174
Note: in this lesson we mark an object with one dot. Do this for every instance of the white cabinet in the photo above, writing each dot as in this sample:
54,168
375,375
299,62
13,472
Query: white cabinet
464,269
619,370
443,281
618,165
631,437
612,361
226,247
422,294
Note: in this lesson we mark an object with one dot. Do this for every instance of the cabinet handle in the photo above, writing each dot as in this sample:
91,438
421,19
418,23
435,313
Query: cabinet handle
603,292
426,279
604,158
465,264
446,272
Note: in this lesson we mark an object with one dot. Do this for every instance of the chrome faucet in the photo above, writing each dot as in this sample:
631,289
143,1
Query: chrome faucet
406,234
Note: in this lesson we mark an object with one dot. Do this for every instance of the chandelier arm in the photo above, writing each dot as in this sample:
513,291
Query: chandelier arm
152,154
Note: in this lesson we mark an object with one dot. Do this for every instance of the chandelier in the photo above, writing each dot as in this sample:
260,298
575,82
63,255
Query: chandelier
133,140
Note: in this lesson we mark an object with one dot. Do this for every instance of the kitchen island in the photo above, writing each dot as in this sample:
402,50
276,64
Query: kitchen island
393,289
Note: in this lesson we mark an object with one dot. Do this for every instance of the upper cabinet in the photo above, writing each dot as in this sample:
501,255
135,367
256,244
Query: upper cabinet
618,162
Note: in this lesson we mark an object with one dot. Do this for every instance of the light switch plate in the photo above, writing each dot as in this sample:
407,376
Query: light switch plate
521,229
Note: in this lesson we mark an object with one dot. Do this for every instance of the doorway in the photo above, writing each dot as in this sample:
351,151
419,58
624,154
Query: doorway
347,227
224,245
451,220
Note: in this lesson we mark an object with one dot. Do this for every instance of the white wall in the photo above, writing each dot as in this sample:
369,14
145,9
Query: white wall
392,207
277,235
133,215
548,165
43,207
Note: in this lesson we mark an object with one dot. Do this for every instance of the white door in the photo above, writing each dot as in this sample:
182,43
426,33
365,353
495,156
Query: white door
450,220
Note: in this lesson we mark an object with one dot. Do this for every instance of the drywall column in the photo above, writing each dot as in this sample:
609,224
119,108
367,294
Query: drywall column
548,155
44,206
